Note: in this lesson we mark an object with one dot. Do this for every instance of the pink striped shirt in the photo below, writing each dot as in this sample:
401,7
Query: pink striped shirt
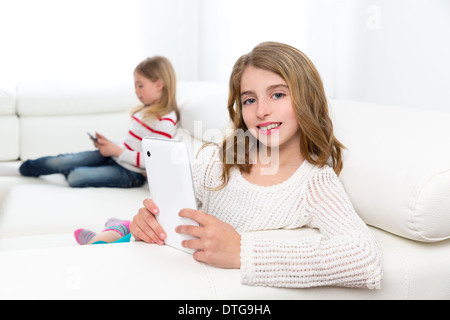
132,158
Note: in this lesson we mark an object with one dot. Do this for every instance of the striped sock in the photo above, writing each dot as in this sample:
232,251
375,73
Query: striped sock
122,227
83,236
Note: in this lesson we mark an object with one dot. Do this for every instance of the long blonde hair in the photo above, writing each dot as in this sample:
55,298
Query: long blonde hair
160,68
318,143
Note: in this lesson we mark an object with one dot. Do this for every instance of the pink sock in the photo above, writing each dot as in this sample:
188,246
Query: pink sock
122,227
83,236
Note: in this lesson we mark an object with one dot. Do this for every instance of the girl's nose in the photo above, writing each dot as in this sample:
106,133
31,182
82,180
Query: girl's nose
262,110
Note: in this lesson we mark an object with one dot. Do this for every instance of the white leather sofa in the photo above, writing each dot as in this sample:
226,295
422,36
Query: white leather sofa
396,171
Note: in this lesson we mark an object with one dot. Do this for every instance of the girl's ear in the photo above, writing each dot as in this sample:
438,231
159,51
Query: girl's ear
159,85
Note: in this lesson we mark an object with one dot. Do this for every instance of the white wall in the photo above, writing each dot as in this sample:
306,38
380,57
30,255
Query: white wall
387,51
231,28
68,39
394,52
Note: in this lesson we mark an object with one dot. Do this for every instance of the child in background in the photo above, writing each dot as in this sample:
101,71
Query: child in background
121,165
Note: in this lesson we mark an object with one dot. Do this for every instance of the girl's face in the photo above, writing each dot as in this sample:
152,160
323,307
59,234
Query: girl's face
147,91
267,108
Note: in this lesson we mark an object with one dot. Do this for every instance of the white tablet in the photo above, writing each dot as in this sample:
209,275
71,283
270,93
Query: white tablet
171,187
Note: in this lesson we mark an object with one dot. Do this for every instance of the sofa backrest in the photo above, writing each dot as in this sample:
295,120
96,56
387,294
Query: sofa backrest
9,123
396,165
39,119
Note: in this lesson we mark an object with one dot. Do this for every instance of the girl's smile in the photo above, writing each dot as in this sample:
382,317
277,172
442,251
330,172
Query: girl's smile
268,128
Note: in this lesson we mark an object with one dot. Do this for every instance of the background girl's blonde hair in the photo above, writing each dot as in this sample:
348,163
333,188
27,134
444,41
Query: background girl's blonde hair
159,68
318,143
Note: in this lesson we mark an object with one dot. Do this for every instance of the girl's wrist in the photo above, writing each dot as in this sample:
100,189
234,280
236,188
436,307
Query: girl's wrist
119,152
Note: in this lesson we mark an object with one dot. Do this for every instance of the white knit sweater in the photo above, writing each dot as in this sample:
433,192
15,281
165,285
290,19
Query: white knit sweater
344,253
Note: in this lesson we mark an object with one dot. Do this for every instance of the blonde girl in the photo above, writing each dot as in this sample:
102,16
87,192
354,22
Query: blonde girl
277,95
121,165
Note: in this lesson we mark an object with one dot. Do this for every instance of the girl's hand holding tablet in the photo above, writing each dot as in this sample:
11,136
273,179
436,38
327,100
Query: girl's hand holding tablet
217,243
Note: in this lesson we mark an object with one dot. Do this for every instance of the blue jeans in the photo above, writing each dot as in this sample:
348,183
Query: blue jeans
84,169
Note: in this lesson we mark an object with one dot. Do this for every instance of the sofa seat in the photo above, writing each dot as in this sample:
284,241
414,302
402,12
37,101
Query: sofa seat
40,258
134,271
63,209
33,242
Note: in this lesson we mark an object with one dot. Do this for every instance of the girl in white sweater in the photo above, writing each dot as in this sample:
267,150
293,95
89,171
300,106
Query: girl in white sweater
283,177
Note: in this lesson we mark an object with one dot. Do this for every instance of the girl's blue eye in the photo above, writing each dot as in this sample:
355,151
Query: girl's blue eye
249,101
278,95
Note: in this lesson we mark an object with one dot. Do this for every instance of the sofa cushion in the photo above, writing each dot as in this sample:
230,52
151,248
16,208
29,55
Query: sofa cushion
203,109
7,99
66,134
38,209
9,138
37,242
193,90
85,272
57,98
397,167
9,124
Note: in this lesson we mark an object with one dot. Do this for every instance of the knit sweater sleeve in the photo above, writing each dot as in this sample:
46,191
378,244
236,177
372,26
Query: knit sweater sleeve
344,253
205,162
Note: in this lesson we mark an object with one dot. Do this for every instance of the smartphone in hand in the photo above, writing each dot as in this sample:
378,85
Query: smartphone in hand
93,138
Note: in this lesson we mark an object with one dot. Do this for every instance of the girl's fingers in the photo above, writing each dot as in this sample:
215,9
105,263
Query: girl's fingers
195,244
194,231
152,227
145,227
151,206
196,215
99,136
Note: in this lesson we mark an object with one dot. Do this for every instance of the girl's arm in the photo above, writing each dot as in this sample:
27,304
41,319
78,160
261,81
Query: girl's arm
132,157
